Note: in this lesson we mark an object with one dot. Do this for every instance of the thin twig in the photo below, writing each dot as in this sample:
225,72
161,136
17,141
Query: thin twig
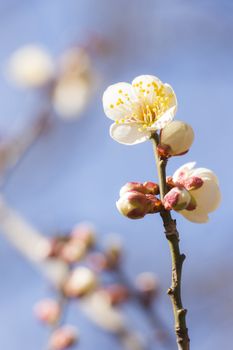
172,236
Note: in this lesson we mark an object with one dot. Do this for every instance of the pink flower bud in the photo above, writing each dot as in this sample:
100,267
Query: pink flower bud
151,187
145,188
48,311
177,199
113,251
193,183
84,232
147,287
176,138
116,293
134,205
73,251
97,261
63,338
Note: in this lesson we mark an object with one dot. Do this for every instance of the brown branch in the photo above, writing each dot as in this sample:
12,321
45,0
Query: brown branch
172,236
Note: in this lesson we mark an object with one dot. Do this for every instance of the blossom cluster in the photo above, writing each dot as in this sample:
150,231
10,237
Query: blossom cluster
145,109
86,262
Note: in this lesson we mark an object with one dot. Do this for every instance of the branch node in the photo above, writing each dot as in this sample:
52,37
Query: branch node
182,257
170,291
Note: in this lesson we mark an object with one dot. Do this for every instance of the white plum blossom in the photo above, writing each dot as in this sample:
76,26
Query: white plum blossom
31,66
139,109
74,84
202,185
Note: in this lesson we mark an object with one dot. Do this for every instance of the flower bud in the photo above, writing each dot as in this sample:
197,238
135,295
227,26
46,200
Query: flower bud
116,293
151,187
63,337
113,251
176,138
147,287
56,246
177,199
81,281
97,261
135,205
47,311
84,232
73,251
145,188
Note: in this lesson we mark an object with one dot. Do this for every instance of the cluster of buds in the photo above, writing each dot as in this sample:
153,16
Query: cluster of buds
139,199
72,248
84,280
49,312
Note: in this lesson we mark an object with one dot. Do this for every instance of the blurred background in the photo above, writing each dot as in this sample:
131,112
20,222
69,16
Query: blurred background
72,170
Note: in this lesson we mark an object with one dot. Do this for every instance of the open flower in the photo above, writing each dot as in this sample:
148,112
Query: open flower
202,185
139,109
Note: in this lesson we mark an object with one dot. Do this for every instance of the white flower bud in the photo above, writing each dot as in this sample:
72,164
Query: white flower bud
176,138
81,282
135,205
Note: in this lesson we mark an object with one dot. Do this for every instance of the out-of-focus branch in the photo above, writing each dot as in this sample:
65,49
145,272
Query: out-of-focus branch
30,243
110,319
13,151
33,246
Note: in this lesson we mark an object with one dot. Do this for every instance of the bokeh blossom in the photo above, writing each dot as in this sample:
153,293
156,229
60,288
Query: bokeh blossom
74,83
202,193
47,311
31,66
139,109
63,337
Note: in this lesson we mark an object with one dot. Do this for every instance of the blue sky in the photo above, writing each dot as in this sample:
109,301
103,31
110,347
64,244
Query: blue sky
74,173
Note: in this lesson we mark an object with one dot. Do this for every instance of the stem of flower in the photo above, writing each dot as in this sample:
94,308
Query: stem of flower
177,258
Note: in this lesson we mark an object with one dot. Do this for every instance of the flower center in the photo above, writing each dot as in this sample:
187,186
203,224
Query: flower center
151,103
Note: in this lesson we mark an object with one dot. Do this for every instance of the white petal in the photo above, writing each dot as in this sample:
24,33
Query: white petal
129,134
208,196
197,215
144,86
167,117
120,101
183,169
205,174
170,92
